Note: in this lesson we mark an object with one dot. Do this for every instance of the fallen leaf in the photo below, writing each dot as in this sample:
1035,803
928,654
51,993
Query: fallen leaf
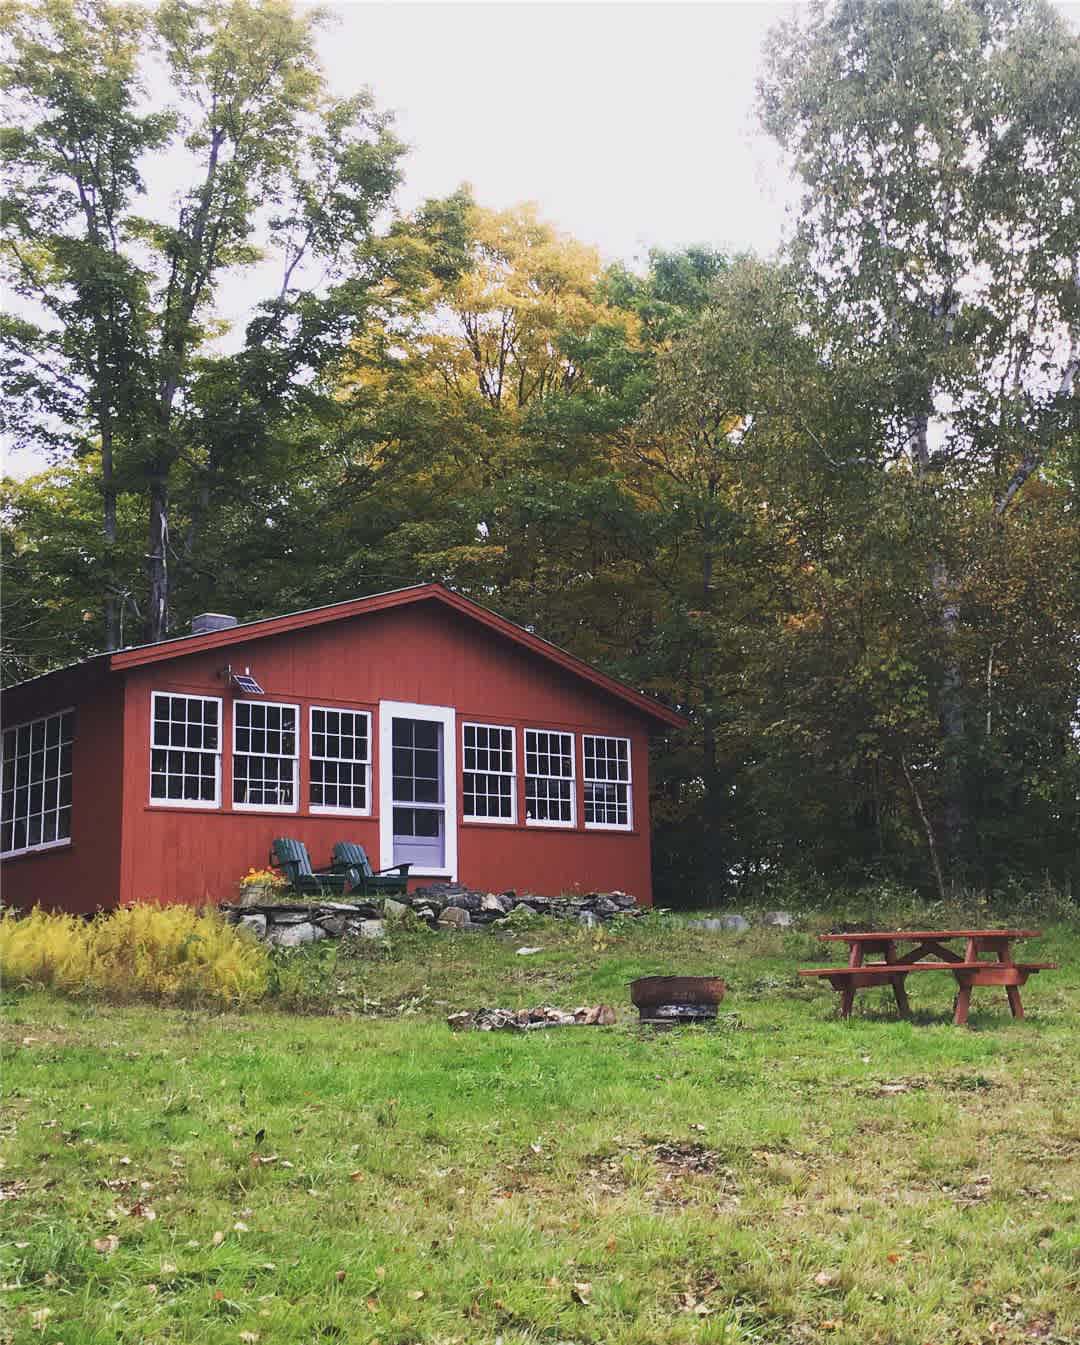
825,1278
264,1160
373,1304
167,1268
582,1293
611,1244
218,1238
141,1211
249,1337
416,1295
832,1324
380,1272
40,1317
357,1176
339,1275
240,1227
893,1258
106,1245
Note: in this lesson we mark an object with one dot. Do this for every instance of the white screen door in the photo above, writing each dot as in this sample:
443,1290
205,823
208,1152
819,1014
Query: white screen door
418,787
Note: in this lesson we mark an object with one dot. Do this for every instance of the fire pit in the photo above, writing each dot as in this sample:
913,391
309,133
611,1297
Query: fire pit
676,999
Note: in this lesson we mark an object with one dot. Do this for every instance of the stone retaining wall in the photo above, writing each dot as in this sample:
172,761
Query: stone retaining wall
440,905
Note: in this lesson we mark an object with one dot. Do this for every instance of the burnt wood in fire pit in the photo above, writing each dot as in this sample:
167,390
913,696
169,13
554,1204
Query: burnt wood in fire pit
678,999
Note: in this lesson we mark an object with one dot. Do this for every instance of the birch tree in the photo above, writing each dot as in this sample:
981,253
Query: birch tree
938,142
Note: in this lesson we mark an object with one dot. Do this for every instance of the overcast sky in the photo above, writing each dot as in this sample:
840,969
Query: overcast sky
630,124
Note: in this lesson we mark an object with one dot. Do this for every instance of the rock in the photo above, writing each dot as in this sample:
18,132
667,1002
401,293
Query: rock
292,936
588,918
332,925
528,952
734,924
372,929
605,906
454,917
395,910
778,919
500,905
255,923
465,901
710,926
424,913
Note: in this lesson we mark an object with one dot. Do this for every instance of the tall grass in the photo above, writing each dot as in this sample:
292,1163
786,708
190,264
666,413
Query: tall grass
170,953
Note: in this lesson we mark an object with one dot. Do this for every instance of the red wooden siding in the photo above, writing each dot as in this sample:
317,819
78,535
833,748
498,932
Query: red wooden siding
84,875
423,653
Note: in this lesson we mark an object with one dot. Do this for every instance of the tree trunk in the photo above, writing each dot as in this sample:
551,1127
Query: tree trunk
952,714
157,557
108,493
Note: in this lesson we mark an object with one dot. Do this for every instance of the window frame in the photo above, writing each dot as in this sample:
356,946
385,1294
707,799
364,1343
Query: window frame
205,804
565,825
322,809
628,825
62,841
510,821
293,807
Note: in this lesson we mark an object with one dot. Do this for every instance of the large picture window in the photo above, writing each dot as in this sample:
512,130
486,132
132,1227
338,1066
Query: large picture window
185,750
265,755
549,778
340,760
607,782
487,781
37,784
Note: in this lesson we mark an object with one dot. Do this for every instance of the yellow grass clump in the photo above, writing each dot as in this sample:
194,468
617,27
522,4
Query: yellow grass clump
173,953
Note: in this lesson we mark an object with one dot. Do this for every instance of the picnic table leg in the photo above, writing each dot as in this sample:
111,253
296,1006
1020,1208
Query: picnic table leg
902,1005
1015,1006
847,999
963,1000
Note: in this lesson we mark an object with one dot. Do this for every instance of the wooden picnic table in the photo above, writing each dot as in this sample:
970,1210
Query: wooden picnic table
931,953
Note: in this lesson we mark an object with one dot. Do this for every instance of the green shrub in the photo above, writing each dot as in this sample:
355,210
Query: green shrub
172,953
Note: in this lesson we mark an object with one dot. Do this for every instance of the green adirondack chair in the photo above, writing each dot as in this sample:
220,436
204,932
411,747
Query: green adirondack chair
352,860
292,858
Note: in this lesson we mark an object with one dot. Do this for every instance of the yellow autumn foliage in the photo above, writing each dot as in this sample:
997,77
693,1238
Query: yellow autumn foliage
171,953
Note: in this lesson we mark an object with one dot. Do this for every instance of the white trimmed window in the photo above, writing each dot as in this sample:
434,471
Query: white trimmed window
549,778
607,782
37,784
185,750
340,761
487,779
265,755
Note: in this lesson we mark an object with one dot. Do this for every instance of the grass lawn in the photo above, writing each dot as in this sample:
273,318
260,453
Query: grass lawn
302,1179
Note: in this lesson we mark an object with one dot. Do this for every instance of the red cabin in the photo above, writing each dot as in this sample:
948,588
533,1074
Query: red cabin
417,723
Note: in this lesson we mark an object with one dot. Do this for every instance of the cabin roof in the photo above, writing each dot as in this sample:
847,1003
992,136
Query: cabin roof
163,650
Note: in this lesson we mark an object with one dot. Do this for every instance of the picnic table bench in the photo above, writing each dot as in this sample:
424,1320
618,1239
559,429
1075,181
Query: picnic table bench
931,953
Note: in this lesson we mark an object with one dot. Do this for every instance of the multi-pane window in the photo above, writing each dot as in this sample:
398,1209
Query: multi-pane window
37,783
185,750
340,760
487,773
549,777
265,755
607,782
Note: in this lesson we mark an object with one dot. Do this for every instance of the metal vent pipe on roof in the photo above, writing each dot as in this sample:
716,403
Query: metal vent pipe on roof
208,621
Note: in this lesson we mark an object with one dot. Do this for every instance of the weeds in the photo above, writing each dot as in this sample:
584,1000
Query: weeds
171,953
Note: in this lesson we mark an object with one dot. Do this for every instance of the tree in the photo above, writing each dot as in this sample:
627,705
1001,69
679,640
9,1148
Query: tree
113,346
939,145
